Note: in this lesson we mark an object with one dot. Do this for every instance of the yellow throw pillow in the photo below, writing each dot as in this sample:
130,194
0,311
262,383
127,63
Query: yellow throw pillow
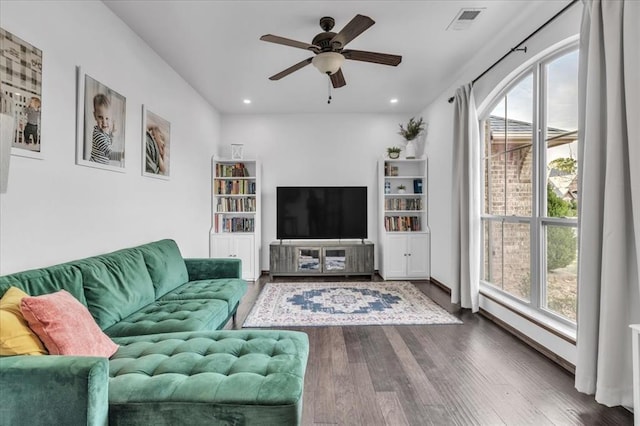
16,338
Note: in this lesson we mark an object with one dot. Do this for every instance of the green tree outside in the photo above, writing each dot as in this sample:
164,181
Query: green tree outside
561,240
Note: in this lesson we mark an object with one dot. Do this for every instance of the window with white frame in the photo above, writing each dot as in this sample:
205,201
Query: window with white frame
530,215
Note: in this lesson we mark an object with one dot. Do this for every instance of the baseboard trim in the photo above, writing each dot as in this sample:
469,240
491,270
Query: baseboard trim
568,366
530,342
441,285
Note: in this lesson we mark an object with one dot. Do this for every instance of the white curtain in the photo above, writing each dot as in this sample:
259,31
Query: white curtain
609,197
466,201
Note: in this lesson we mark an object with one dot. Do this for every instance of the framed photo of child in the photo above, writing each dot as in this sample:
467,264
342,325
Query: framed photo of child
156,142
21,88
101,125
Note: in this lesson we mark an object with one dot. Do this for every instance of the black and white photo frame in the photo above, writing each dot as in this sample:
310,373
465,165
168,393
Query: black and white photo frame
21,87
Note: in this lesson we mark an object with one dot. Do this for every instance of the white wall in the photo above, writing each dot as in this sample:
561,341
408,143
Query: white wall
309,149
56,211
439,115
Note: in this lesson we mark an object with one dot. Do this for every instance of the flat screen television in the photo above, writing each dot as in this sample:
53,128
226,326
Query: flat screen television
321,212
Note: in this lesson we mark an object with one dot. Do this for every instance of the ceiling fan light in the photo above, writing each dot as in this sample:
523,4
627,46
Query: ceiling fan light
328,62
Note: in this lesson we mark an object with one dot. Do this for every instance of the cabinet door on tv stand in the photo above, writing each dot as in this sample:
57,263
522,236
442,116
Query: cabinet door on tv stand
282,258
359,259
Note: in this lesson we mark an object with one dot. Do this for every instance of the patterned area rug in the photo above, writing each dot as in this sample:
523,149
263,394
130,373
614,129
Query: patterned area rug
345,303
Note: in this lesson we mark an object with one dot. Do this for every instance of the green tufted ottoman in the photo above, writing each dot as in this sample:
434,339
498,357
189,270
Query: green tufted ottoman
236,377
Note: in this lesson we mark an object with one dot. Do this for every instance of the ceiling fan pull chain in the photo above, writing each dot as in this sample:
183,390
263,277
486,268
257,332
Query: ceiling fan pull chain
329,89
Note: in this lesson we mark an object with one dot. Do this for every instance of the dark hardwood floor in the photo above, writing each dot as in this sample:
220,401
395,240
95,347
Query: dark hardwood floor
470,374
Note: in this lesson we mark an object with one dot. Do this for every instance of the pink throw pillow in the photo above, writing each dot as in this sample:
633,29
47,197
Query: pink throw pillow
66,326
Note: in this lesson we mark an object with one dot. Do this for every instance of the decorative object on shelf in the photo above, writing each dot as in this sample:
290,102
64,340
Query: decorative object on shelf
156,138
402,189
236,151
417,186
394,152
21,81
387,187
413,130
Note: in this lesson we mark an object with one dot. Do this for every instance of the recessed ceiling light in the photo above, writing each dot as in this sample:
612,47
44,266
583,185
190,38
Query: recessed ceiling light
247,101
394,101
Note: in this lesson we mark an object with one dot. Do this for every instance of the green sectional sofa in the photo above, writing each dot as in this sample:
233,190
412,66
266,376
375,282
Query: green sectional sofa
173,366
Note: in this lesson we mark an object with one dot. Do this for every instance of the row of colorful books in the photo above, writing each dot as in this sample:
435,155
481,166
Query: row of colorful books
234,187
403,204
402,223
231,170
236,205
234,224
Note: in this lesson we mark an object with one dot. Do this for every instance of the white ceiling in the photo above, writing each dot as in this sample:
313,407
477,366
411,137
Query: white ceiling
215,47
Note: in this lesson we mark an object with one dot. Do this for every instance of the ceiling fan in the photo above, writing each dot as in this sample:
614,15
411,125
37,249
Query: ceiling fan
329,49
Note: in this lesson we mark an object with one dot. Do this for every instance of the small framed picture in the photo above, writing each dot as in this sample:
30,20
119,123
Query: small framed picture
156,145
21,87
101,113
236,151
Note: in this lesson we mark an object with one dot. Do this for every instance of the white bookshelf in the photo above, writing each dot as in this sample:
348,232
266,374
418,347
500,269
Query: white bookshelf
236,213
404,238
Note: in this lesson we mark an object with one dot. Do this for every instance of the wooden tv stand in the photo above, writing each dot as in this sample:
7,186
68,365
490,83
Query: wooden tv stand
309,258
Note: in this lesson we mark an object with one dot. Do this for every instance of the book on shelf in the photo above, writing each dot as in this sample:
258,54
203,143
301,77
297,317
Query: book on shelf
403,204
417,186
231,170
236,224
236,205
402,223
234,187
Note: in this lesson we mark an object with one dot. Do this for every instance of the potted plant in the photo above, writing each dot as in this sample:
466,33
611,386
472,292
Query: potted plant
413,130
393,152
401,189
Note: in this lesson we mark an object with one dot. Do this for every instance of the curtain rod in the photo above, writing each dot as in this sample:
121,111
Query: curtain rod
517,48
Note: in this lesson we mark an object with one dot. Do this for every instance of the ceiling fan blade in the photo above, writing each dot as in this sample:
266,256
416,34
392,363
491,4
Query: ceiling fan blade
353,29
375,57
337,79
288,42
291,69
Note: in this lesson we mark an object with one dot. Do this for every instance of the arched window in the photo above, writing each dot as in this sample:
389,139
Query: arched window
530,188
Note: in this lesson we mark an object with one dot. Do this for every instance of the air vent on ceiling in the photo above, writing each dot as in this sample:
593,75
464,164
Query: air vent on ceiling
464,18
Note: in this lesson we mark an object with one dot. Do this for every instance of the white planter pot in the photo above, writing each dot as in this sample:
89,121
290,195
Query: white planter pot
410,150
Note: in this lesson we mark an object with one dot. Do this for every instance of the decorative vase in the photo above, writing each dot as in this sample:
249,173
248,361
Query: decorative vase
410,150
401,191
393,155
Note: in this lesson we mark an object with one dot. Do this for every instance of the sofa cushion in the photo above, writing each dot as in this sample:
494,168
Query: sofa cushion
165,264
230,290
16,338
216,377
35,282
116,285
172,316
65,325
